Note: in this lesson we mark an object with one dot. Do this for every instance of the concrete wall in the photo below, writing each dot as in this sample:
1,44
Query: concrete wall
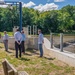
30,43
67,57
24,28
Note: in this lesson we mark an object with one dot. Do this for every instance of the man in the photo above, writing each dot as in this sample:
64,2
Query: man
40,42
23,41
18,40
5,40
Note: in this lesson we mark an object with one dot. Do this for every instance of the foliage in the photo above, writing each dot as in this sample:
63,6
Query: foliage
62,20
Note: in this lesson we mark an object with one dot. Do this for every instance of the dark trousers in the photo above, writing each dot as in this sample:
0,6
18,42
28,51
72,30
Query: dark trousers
23,47
17,47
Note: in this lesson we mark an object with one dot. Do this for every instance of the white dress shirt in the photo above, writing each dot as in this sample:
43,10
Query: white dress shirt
18,36
40,38
5,37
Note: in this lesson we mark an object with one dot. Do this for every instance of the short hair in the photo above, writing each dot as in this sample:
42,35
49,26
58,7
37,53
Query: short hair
17,29
22,31
39,30
5,31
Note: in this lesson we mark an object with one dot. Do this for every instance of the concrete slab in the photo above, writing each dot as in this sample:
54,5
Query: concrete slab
67,57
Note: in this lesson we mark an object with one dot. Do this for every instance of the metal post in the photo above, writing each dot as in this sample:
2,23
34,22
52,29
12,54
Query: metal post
51,40
36,30
33,35
20,9
33,30
30,30
61,42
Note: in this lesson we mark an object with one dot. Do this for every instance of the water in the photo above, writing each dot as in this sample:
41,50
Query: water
68,42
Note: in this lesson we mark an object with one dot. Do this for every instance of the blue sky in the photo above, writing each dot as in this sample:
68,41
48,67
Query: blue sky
45,5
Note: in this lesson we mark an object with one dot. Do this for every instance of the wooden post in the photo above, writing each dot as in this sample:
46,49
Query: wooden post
5,68
10,72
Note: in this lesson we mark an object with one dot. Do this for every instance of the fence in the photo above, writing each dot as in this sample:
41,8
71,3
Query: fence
62,42
69,42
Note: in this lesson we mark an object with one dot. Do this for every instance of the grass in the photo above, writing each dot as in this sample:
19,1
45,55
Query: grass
46,35
34,65
9,33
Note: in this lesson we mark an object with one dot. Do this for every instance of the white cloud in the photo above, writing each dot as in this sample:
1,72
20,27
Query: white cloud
46,7
38,7
30,4
58,0
2,2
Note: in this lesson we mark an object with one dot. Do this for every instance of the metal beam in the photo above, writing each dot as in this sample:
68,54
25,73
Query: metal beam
20,9
9,2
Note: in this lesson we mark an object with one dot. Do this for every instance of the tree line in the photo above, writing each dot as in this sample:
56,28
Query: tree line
62,20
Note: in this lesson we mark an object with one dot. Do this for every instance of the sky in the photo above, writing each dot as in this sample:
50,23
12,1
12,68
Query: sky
45,5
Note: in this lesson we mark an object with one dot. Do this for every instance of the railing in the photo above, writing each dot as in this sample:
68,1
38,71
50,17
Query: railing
63,42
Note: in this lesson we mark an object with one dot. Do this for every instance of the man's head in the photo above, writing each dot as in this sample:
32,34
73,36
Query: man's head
17,29
39,31
22,31
5,32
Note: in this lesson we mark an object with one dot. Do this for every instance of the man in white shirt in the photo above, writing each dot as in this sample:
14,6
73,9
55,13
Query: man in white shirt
18,40
40,42
5,40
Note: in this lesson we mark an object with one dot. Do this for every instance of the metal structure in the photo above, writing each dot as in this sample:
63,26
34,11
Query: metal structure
34,31
11,3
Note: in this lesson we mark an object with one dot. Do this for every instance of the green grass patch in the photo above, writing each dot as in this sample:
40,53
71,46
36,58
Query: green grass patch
34,65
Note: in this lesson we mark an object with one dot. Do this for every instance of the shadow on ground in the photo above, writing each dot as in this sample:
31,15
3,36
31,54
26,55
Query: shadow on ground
49,58
33,51
24,59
